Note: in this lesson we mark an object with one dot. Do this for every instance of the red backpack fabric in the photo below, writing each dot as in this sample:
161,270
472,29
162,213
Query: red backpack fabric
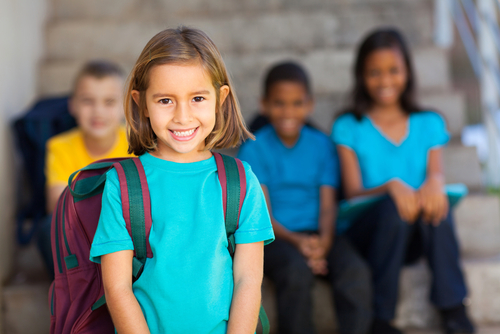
76,297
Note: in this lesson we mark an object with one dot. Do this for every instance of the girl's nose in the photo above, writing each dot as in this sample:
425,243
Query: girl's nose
182,114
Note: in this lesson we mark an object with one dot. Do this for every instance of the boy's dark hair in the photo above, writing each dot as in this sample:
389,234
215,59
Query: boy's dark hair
287,71
99,69
385,38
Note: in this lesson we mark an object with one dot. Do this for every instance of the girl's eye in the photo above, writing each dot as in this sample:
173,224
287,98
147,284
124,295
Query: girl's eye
165,101
198,99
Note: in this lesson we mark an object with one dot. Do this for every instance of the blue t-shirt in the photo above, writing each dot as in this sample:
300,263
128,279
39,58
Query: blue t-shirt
187,286
380,159
293,175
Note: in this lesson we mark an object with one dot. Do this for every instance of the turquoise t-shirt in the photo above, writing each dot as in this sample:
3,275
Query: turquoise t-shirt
380,159
293,175
187,286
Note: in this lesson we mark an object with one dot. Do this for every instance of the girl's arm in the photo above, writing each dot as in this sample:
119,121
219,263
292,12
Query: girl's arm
327,216
433,201
248,268
117,278
405,198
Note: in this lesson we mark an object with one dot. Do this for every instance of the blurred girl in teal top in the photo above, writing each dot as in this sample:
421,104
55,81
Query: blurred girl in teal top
388,144
180,104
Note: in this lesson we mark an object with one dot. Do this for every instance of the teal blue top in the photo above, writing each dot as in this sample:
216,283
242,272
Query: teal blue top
293,175
381,159
187,286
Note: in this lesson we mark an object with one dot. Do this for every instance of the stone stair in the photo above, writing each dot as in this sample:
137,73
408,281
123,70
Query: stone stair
252,35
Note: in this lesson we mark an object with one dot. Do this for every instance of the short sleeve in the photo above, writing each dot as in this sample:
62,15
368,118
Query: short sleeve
56,167
437,132
342,131
330,169
249,152
111,234
254,224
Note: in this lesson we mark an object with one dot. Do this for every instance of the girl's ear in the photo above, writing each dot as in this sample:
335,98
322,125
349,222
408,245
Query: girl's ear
136,96
223,93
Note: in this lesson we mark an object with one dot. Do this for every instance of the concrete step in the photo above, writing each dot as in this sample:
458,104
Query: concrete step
414,311
477,221
461,165
354,17
244,31
71,9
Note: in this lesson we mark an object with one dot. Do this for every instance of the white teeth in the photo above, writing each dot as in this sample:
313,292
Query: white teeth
183,133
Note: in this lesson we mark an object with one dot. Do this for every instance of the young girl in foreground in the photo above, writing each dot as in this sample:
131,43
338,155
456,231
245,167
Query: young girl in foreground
388,145
179,105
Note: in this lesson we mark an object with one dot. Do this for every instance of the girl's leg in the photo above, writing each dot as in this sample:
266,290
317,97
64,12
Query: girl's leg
293,281
382,237
441,249
350,278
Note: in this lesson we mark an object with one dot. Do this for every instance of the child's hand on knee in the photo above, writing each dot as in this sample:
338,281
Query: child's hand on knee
406,200
318,266
433,201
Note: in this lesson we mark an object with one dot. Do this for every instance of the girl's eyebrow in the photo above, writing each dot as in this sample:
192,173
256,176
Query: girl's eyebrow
201,92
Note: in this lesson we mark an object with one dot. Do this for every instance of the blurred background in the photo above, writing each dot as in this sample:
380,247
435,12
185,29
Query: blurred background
43,43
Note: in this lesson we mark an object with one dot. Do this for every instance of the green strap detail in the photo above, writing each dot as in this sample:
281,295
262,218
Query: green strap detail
71,261
64,227
136,203
52,300
264,321
100,302
233,194
89,187
98,183
56,221
137,268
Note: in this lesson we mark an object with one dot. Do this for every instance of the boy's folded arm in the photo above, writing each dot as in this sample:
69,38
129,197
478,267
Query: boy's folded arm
248,274
122,304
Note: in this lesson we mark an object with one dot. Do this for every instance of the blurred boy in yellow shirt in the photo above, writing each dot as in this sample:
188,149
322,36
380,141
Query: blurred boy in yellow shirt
96,104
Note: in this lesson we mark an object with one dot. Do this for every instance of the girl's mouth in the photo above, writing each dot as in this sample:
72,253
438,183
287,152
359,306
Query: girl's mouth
184,135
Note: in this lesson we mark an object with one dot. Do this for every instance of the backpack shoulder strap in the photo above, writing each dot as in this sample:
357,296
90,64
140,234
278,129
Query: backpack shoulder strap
233,183
136,205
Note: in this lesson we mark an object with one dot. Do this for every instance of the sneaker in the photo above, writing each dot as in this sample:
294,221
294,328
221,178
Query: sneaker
383,327
455,321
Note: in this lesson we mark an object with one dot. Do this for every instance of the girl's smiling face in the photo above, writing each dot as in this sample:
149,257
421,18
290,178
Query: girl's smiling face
181,106
385,76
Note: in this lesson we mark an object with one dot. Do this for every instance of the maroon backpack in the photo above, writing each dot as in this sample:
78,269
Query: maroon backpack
76,297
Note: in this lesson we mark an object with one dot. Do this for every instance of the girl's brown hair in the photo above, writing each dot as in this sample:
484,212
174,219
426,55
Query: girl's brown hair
182,46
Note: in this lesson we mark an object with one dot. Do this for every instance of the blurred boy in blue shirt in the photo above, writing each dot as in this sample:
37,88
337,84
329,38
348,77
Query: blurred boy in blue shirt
298,171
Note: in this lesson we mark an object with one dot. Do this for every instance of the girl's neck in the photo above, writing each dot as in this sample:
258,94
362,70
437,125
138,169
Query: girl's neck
386,112
97,147
173,156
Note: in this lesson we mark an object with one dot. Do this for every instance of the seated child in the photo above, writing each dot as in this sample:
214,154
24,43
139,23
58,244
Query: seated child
297,168
96,104
388,145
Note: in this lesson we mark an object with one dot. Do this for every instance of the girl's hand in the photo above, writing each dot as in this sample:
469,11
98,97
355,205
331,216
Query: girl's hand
433,202
406,200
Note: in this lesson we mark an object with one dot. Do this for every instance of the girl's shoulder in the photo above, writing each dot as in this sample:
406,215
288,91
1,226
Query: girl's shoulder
428,119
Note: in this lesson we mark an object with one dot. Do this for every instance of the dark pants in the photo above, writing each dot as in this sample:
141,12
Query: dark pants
386,242
349,277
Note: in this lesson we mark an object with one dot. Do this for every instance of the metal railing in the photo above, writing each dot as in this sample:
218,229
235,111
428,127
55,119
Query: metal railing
477,25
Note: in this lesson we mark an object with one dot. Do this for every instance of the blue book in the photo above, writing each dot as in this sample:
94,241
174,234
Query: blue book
350,210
